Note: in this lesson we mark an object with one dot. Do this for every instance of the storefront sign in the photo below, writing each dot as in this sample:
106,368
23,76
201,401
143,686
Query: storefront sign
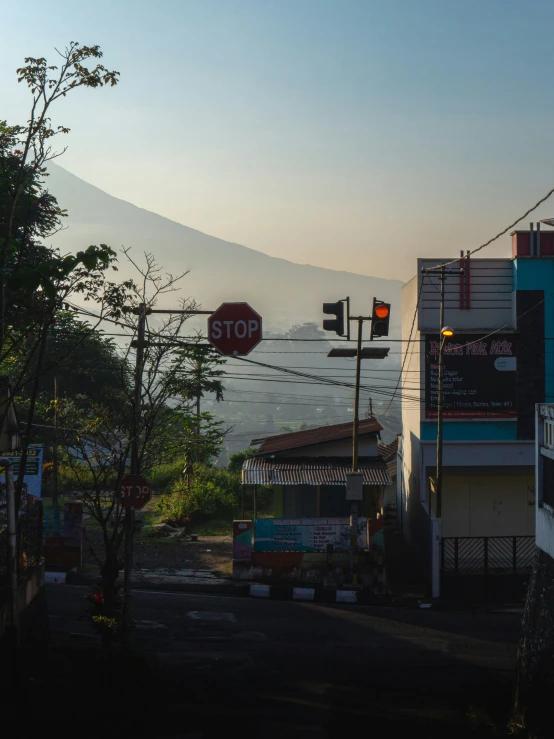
32,482
306,534
479,378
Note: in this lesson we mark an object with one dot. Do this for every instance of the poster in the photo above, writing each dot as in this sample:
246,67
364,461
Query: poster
32,482
306,534
479,379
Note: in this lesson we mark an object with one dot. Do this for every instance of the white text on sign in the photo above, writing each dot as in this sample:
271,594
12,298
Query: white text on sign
234,329
139,491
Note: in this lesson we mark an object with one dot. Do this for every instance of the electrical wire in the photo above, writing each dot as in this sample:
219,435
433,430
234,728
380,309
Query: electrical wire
501,233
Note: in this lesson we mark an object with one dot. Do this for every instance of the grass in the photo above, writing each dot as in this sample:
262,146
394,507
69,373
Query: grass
214,527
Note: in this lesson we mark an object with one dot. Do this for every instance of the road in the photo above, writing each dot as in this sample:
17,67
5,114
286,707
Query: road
271,667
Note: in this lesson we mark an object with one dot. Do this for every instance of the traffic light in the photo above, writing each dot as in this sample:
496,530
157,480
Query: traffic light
334,324
380,317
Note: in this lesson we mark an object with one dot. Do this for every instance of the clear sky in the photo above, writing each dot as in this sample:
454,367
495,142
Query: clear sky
351,134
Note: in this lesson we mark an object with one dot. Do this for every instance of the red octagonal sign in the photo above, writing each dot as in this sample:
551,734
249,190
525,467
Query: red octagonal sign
136,491
235,329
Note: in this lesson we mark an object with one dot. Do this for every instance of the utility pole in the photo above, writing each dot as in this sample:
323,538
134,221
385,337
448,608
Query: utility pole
356,429
445,332
135,457
379,327
140,344
442,278
12,540
55,484
198,396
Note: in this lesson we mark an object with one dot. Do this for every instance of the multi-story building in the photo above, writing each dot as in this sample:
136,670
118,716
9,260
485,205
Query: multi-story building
498,364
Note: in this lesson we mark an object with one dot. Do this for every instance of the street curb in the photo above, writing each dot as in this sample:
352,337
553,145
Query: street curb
317,594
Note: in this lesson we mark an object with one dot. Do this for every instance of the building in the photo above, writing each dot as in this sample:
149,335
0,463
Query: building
496,367
544,479
309,536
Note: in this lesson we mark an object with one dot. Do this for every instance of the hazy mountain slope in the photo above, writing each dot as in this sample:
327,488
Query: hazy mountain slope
283,292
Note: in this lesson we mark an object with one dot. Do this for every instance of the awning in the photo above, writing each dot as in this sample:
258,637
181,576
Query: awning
312,471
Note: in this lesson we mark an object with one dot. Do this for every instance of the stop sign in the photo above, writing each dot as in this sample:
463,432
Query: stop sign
235,329
136,491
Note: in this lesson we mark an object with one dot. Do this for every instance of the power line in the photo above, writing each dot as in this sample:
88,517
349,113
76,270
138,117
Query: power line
501,233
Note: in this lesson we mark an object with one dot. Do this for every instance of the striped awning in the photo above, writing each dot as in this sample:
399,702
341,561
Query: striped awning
312,471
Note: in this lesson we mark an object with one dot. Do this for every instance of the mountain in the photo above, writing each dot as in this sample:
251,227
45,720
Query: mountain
285,293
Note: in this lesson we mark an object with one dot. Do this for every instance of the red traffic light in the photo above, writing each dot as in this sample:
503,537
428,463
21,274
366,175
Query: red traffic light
382,311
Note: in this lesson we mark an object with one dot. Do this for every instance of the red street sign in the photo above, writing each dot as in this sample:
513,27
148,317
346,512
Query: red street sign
235,329
136,491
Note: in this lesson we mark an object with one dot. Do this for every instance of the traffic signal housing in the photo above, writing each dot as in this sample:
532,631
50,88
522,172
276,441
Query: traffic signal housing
335,324
380,318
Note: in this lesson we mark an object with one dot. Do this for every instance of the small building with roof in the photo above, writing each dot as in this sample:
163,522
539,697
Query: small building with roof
315,530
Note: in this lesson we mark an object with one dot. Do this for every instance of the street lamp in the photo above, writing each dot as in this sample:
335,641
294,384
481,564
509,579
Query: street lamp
446,333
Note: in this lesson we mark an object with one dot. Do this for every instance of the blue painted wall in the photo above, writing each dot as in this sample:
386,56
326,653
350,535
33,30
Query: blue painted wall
538,274
470,431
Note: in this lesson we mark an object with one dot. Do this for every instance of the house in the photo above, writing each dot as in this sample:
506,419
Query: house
310,536
479,535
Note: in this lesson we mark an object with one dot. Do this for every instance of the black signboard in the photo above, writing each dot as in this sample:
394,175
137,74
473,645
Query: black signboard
479,376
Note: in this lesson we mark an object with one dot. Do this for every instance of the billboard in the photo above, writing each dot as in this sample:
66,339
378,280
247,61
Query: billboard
307,534
479,378
32,482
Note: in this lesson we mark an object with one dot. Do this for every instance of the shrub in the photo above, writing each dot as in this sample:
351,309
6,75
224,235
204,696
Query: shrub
211,491
166,476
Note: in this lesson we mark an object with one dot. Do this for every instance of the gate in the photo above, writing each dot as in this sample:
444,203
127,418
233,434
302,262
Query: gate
486,567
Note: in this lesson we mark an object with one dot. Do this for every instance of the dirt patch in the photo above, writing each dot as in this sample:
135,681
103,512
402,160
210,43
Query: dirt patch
208,553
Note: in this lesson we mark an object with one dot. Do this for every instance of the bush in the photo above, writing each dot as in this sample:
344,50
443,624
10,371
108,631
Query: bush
212,491
166,476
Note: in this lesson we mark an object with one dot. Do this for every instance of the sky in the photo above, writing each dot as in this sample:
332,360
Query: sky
349,134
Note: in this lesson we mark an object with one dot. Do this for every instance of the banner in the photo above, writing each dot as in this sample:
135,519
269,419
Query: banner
479,379
306,534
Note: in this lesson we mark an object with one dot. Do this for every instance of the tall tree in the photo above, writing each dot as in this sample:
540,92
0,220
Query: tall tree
197,372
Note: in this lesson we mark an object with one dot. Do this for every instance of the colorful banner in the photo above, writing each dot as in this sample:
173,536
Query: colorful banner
32,482
307,534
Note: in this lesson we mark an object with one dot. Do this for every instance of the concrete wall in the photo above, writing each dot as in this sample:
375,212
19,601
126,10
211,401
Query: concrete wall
491,299
33,615
538,274
409,466
544,516
488,505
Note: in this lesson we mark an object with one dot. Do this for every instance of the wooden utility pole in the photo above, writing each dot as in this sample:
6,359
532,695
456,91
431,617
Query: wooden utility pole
55,485
442,278
135,454
355,430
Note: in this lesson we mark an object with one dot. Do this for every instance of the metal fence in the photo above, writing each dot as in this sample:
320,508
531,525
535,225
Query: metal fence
463,556
29,539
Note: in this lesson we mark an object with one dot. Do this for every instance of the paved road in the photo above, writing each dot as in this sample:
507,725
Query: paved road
271,667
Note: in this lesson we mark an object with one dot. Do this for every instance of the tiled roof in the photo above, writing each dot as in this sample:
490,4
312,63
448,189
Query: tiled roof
312,471
389,453
319,435
388,450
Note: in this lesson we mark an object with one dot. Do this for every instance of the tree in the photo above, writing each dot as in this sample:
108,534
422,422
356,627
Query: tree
27,211
195,373
36,280
100,434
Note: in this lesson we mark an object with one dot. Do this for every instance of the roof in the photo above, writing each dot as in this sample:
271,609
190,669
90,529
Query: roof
388,450
389,453
319,435
312,471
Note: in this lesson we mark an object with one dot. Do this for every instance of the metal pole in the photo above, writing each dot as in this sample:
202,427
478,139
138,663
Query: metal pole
12,539
442,278
357,398
55,499
135,459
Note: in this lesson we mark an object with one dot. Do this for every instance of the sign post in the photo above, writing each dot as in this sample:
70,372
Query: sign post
136,492
234,329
